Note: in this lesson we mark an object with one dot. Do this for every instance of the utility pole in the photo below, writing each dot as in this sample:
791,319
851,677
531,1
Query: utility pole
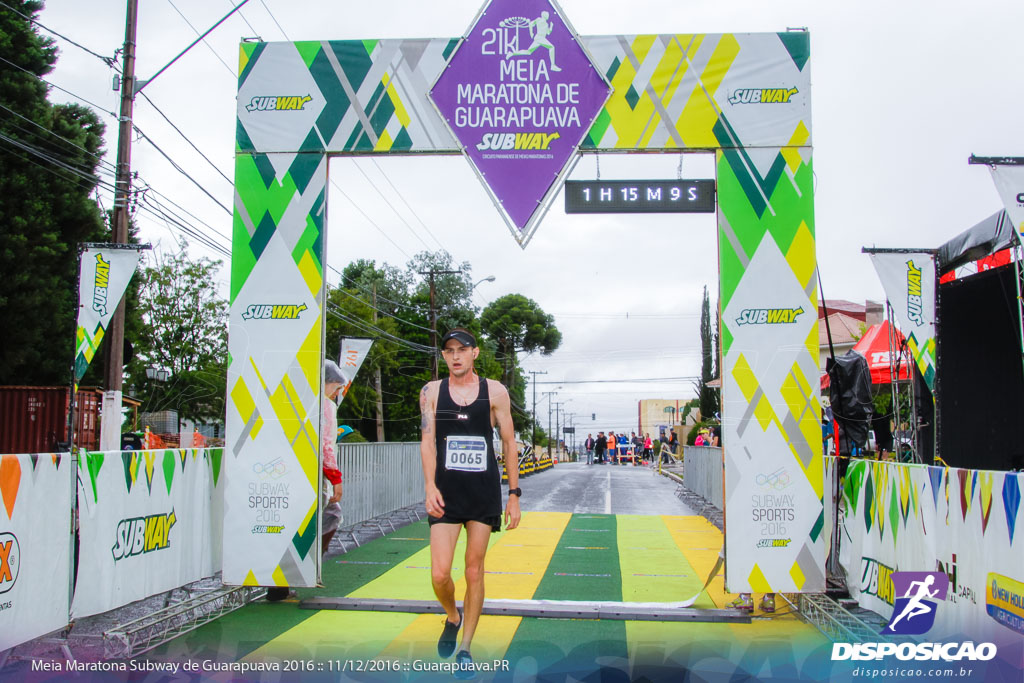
533,416
572,426
549,394
433,313
376,379
122,191
558,438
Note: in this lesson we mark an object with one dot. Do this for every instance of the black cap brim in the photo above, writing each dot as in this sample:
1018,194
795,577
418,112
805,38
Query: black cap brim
464,338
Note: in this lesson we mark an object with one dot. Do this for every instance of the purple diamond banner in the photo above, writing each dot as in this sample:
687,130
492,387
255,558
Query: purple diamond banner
520,94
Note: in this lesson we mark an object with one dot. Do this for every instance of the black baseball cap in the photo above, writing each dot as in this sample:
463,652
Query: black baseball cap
460,335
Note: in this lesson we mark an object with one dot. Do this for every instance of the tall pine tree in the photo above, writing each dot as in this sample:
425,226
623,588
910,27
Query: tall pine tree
709,353
49,155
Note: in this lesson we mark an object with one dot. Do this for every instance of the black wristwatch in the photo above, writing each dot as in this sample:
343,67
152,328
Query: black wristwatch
516,492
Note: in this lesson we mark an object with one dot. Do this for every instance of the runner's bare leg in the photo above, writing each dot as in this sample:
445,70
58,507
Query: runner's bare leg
443,538
477,537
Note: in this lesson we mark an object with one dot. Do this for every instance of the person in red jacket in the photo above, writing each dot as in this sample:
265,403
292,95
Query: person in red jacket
330,491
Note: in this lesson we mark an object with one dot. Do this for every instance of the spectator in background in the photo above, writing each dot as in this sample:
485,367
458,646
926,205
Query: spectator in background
716,435
331,488
589,445
613,448
673,443
648,446
600,446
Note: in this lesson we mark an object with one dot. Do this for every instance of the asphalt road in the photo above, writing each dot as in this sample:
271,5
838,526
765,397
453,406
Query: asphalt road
601,489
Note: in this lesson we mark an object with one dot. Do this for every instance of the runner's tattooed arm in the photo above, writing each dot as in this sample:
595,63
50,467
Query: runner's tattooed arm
428,449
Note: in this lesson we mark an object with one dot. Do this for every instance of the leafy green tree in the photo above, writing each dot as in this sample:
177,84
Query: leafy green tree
351,313
49,155
185,335
517,324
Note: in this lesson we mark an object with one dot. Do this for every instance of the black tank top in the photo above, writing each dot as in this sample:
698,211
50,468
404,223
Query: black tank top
467,495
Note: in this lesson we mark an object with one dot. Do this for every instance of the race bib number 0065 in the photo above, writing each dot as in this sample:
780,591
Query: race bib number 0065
466,453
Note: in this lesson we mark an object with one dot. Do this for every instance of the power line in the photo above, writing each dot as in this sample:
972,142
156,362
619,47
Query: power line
275,20
370,220
390,205
372,307
44,154
202,37
413,211
254,31
95,155
180,170
64,90
624,381
186,138
110,61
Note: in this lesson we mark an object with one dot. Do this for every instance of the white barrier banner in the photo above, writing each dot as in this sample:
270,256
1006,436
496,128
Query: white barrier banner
1009,182
353,352
964,523
35,545
909,283
145,524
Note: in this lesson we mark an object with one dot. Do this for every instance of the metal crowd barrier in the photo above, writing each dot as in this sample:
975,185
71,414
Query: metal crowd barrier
379,478
702,472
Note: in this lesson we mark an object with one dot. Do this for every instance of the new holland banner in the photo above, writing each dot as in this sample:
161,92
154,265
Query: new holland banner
146,524
909,283
353,352
35,545
1009,182
104,274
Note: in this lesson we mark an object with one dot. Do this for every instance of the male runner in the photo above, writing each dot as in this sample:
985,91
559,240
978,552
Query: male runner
462,482
540,29
915,606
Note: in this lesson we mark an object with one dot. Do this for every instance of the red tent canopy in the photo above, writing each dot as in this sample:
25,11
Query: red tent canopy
874,346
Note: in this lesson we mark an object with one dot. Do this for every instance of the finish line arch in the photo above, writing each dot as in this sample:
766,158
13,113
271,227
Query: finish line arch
746,97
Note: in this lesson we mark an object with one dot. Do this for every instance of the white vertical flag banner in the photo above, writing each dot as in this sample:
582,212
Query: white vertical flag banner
353,352
1009,182
908,279
104,275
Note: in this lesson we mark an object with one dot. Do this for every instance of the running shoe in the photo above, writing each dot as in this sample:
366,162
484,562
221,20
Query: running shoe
446,643
744,602
464,669
768,603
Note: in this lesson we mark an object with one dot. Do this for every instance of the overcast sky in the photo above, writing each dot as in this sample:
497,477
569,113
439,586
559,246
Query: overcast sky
903,93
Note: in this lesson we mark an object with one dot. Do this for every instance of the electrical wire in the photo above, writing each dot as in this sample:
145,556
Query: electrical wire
402,198
370,220
210,47
95,155
275,20
110,61
390,205
186,138
254,31
180,170
64,90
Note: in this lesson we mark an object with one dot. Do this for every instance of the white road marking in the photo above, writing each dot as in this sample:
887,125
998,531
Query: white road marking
608,495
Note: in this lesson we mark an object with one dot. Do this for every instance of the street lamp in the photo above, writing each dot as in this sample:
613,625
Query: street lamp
489,278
